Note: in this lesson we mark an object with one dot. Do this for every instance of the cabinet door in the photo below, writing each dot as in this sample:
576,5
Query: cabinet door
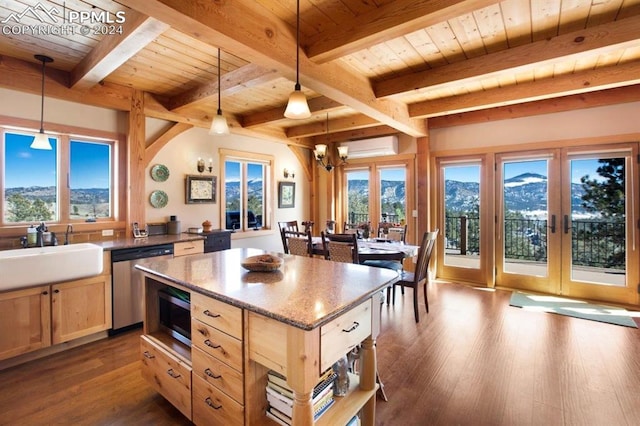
25,321
80,308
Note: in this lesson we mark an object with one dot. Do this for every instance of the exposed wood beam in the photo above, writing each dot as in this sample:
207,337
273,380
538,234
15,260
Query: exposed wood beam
368,132
318,104
596,40
232,82
155,108
27,77
250,31
387,22
114,50
155,146
570,84
338,124
566,103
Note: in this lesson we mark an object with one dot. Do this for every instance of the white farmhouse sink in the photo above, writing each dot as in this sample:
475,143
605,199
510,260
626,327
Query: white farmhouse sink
47,265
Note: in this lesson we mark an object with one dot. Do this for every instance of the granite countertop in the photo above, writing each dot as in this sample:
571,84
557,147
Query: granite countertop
306,292
147,241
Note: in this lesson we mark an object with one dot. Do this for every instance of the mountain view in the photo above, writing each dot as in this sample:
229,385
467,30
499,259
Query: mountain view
525,193
85,202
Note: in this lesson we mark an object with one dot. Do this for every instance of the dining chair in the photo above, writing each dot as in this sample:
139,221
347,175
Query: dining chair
392,232
290,226
308,226
299,243
420,276
341,247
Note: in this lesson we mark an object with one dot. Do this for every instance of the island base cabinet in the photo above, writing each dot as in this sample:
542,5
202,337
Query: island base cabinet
167,374
24,321
212,407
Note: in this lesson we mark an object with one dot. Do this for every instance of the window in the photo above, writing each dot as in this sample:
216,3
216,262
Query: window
378,191
247,195
71,182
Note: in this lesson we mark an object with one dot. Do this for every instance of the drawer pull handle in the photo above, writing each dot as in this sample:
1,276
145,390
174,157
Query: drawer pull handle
209,373
172,373
210,403
211,345
148,355
211,314
355,325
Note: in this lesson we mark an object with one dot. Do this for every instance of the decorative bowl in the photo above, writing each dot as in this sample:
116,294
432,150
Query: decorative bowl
262,263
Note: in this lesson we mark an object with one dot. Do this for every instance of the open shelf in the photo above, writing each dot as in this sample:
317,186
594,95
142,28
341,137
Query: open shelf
345,407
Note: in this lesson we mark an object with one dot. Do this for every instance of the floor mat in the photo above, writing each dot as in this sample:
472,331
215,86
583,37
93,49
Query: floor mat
574,308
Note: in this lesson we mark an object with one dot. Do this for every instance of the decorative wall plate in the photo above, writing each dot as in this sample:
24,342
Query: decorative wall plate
159,173
158,199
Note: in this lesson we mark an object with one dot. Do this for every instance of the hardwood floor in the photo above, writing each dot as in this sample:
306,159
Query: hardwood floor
473,360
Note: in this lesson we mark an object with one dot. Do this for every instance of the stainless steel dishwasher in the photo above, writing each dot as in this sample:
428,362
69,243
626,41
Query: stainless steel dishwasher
128,285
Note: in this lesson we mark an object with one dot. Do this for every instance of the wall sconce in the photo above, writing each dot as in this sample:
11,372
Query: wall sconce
288,174
201,165
321,153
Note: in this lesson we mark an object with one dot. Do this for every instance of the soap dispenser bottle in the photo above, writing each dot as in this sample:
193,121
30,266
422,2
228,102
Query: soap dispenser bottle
32,235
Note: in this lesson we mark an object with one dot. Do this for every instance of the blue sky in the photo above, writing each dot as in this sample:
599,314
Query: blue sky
393,174
32,167
232,171
466,173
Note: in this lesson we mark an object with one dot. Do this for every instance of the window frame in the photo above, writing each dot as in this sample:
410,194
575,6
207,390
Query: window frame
244,158
65,134
373,166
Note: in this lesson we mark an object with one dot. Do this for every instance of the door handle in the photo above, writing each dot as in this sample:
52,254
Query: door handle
553,224
566,224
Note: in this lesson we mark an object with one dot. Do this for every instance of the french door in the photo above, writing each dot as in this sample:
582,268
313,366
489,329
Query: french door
566,222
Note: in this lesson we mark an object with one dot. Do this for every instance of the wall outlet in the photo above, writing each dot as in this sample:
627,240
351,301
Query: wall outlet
414,213
107,232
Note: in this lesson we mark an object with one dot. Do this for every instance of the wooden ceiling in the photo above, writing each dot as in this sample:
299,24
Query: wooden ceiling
374,66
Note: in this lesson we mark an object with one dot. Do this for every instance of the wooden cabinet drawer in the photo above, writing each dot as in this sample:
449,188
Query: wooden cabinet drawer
188,247
218,374
218,314
167,374
343,333
214,342
213,407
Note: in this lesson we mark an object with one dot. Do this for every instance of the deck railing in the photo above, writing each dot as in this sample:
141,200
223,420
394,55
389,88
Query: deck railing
596,243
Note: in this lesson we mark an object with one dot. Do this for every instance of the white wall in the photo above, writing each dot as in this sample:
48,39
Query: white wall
180,156
585,123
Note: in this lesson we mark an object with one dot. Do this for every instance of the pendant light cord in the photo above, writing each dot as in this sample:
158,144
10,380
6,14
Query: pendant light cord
42,99
297,87
219,109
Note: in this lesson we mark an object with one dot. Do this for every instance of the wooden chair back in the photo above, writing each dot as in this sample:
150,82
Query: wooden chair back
393,233
424,256
299,243
341,247
290,226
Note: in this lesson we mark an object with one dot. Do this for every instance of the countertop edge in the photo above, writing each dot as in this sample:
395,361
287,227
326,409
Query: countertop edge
240,304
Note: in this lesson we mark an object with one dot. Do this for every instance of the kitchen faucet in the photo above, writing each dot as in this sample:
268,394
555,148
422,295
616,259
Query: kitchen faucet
41,229
66,234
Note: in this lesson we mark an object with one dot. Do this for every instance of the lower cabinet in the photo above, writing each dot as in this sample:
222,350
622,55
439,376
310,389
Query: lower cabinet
211,406
38,317
25,321
80,308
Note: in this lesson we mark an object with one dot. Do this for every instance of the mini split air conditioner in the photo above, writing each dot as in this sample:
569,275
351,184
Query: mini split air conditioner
375,147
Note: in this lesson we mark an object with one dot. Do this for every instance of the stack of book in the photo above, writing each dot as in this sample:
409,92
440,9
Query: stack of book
280,397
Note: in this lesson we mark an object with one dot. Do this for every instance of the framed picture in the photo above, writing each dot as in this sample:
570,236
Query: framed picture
286,195
200,189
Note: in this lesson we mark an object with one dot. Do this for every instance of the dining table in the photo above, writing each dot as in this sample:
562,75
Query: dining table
375,249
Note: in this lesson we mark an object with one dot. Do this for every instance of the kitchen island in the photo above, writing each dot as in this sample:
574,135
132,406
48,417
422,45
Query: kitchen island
296,321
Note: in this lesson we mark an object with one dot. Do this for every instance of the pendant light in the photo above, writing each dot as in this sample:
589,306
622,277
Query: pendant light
297,107
41,141
219,124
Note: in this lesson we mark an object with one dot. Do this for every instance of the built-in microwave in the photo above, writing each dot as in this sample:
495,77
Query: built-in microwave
175,313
